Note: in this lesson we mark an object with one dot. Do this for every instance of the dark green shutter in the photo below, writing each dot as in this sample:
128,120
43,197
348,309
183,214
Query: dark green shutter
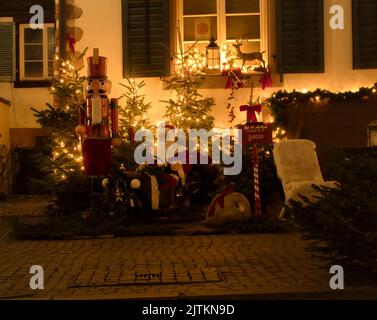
145,28
300,36
7,51
364,33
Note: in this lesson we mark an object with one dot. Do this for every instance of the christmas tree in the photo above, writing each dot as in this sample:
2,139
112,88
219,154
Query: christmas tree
133,113
63,166
189,110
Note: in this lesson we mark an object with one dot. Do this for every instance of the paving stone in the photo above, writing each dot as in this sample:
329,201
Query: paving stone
249,264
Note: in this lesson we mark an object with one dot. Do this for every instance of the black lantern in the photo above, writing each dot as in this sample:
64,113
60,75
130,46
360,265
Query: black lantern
372,134
213,56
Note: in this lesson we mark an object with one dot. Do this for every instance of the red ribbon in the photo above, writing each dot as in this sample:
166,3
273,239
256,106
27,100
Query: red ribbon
71,43
265,80
220,200
251,112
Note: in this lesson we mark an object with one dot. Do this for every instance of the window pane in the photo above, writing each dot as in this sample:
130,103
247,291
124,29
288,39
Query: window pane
243,27
51,51
51,35
197,29
33,69
242,6
191,7
50,68
33,36
33,52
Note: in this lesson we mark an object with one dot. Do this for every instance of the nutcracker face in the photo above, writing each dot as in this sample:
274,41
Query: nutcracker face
98,87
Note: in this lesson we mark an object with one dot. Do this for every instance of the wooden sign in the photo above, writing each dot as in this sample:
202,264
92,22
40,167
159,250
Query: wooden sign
257,133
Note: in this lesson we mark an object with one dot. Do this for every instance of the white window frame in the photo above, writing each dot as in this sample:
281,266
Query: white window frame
221,25
47,26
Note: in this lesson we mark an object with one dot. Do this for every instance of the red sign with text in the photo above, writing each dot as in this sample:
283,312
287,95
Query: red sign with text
257,133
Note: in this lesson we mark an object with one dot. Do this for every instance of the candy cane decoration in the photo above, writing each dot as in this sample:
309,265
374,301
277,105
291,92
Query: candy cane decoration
257,202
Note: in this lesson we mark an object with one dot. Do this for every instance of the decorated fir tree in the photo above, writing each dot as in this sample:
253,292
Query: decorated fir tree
188,110
64,164
133,111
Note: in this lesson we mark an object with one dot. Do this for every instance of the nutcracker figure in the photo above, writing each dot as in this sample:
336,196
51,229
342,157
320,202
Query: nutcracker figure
95,117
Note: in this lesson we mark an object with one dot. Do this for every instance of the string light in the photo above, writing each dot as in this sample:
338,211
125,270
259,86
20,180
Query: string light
193,63
279,101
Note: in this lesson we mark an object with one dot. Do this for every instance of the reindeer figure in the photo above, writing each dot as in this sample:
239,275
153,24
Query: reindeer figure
248,56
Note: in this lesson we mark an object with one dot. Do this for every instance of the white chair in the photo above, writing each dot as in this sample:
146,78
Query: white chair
298,169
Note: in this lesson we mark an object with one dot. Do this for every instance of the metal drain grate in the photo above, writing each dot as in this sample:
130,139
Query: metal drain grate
94,278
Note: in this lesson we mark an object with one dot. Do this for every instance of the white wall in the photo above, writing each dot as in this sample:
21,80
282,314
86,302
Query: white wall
339,74
20,115
102,25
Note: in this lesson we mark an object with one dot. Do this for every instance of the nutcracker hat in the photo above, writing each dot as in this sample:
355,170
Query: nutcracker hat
97,66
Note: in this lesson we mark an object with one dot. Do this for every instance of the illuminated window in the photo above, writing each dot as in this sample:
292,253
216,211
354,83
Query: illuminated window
225,21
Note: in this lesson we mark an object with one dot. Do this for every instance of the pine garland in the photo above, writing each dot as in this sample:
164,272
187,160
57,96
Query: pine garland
281,101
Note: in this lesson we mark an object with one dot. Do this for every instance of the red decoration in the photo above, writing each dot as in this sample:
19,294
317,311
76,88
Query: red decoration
71,44
219,201
202,28
251,112
257,133
257,201
265,80
169,182
234,78
95,116
97,157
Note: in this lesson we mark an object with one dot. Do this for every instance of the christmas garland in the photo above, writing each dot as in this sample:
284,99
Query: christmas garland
281,101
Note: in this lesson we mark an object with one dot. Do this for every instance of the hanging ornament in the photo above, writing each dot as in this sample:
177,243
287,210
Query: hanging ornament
71,43
118,193
266,81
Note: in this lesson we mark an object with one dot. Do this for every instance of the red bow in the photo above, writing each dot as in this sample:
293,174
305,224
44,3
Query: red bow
220,200
71,43
251,112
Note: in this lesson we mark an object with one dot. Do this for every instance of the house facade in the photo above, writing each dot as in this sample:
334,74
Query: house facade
328,44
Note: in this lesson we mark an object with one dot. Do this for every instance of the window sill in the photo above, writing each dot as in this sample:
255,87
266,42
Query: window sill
217,81
32,84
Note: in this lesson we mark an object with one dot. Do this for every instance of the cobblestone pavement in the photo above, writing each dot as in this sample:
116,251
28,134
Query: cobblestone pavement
228,266
24,205
107,268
